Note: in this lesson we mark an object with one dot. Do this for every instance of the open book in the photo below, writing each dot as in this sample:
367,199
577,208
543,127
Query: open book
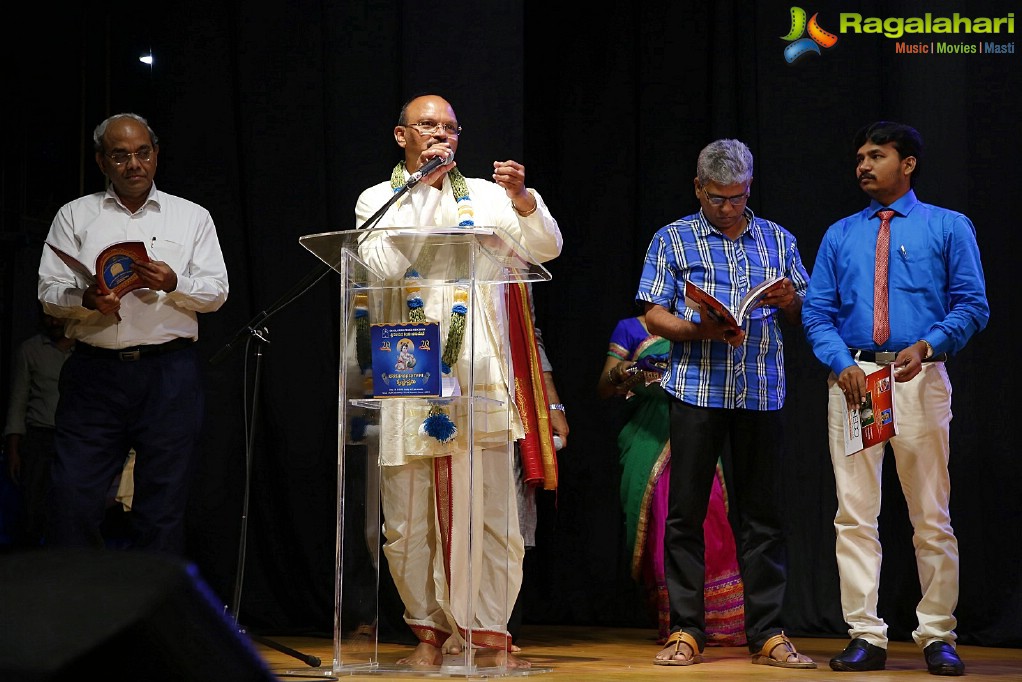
114,267
695,296
875,421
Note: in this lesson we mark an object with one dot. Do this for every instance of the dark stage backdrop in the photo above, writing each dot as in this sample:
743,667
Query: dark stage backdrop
275,116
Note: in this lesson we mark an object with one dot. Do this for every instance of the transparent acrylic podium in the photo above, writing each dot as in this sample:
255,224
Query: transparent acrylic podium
381,271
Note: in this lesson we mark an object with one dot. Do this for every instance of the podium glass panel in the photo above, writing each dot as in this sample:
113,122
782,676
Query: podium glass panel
436,469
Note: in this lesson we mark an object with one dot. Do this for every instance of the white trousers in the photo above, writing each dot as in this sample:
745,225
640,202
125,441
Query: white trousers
921,453
454,546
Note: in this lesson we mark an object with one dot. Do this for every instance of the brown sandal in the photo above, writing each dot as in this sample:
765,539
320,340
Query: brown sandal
764,656
677,639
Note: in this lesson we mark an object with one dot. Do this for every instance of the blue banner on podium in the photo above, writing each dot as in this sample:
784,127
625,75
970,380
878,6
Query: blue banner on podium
406,359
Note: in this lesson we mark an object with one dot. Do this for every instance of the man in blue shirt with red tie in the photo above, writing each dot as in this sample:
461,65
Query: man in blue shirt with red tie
935,301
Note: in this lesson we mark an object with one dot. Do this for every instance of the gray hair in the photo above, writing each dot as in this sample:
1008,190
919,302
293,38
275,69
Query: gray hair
100,131
725,162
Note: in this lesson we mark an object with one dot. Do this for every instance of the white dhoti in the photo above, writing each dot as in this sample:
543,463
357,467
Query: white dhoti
453,545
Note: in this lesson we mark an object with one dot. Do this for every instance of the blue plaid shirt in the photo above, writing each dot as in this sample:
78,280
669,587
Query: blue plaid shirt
712,373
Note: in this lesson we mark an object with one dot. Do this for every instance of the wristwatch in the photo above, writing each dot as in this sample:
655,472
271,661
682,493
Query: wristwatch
929,349
557,406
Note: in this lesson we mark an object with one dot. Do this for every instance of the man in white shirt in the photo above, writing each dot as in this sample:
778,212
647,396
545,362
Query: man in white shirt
134,378
28,434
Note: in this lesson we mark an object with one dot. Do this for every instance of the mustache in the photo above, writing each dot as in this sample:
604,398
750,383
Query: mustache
867,176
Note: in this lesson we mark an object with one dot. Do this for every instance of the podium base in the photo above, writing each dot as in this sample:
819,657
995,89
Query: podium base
454,666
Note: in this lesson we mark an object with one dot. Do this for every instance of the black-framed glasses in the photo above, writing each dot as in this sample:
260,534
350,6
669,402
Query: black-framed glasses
433,127
121,158
736,200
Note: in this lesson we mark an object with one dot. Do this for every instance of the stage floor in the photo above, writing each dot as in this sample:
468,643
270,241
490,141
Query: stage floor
563,653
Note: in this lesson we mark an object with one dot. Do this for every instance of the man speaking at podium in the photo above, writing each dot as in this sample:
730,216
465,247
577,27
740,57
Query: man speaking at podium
425,472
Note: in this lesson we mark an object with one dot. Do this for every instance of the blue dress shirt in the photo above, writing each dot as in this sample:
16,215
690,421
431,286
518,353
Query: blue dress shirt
936,287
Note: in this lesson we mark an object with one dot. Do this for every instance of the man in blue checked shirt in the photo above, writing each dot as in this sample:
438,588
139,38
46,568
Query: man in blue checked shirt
930,297
727,387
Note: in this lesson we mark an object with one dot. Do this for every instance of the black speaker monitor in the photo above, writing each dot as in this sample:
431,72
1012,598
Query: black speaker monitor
117,615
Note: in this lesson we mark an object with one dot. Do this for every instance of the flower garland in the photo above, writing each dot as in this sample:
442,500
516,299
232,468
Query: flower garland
458,186
438,423
459,311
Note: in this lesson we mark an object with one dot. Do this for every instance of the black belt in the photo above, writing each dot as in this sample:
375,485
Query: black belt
886,357
134,352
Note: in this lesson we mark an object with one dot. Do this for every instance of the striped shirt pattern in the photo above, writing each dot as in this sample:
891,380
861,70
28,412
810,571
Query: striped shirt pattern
712,373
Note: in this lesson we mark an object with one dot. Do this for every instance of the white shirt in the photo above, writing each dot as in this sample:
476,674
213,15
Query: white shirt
540,238
34,384
174,230
424,205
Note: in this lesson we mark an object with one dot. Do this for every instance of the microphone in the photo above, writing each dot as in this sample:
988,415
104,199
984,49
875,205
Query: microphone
428,168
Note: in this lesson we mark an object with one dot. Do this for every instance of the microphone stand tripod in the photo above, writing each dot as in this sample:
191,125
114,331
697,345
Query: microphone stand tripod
259,335
254,331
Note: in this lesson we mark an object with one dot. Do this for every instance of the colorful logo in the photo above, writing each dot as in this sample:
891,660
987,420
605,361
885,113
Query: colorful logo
800,46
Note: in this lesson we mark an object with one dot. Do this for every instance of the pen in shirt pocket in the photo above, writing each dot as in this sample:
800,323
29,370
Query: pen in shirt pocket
902,251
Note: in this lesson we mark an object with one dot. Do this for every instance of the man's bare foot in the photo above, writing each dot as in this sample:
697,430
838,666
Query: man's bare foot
363,637
366,631
498,658
424,654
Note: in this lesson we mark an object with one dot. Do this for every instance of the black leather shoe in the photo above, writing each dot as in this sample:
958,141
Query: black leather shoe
942,659
860,656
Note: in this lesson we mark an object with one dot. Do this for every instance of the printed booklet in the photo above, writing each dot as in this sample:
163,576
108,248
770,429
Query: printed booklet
406,359
875,421
114,267
694,296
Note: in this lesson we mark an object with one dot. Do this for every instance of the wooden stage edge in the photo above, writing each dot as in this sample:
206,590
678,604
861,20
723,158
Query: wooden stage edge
562,653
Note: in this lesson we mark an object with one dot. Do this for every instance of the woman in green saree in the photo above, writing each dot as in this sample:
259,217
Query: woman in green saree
635,362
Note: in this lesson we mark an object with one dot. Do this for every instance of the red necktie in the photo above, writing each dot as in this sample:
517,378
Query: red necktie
881,323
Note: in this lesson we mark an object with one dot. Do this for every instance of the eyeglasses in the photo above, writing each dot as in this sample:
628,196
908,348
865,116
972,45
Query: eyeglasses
736,200
121,158
432,128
